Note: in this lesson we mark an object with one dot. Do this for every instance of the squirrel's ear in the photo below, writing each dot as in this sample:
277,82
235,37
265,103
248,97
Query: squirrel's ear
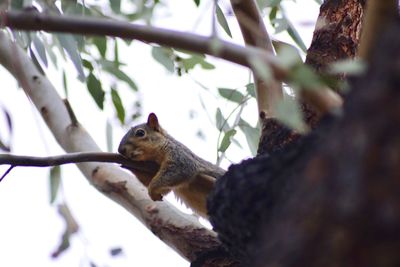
152,122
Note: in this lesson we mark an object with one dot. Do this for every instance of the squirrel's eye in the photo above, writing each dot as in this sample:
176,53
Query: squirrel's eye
140,133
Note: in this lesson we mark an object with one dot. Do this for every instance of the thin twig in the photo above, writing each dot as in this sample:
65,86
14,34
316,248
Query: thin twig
7,172
29,161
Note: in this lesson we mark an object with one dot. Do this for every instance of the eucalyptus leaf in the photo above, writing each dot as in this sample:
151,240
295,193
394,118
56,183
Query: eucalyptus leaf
272,13
115,6
280,25
65,84
40,49
68,42
191,62
289,113
119,107
251,89
304,77
222,20
88,65
95,90
121,75
226,141
231,95
101,43
197,2
55,178
17,4
296,37
71,227
252,135
36,61
220,121
163,56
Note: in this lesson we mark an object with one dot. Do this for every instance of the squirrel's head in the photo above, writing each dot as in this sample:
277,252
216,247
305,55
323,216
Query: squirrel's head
144,141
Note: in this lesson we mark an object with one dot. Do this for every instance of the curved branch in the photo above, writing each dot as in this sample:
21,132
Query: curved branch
255,34
322,99
180,231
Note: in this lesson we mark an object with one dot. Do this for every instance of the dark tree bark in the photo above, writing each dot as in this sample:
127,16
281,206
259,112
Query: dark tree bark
337,32
328,199
336,36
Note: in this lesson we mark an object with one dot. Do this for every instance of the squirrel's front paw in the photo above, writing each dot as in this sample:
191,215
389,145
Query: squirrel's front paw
155,196
157,193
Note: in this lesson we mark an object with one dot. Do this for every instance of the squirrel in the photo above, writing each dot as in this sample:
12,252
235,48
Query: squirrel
190,177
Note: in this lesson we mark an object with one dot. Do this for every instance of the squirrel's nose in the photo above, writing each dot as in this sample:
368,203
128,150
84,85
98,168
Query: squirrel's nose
122,149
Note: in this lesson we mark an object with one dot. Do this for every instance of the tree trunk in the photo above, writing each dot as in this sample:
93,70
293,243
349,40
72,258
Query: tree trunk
331,198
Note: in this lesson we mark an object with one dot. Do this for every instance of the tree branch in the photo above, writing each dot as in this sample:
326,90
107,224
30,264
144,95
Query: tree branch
255,34
180,231
322,99
29,161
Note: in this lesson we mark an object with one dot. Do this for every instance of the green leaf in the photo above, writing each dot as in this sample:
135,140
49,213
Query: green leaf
304,77
191,62
65,84
119,107
55,178
95,90
116,53
40,49
289,113
71,227
348,66
17,4
280,25
220,121
88,65
296,37
163,56
251,89
115,6
121,75
36,61
101,44
272,13
226,141
231,95
197,2
69,43
222,20
252,135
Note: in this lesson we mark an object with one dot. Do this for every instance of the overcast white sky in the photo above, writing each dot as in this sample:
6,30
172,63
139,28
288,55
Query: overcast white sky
30,228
